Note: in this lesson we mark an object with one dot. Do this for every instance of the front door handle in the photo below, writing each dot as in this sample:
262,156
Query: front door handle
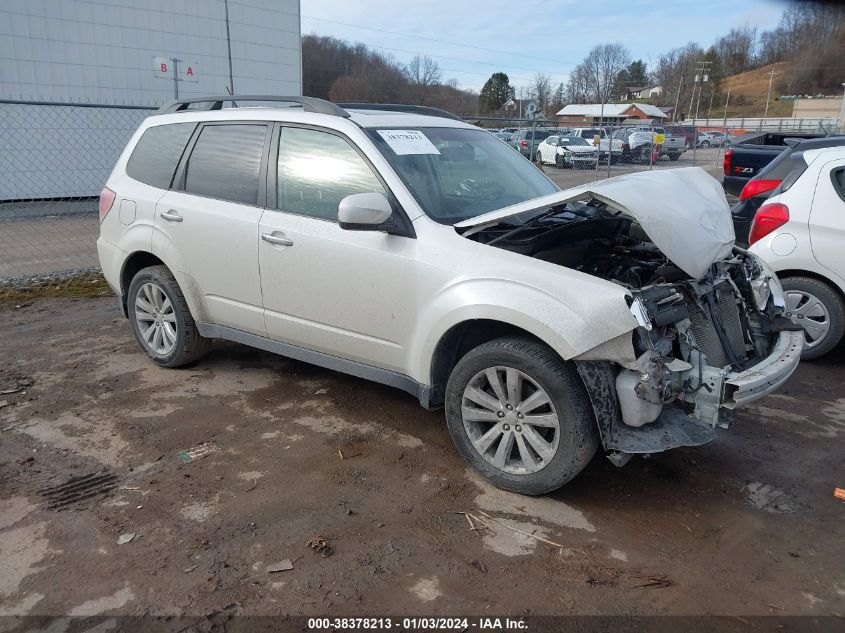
279,239
171,216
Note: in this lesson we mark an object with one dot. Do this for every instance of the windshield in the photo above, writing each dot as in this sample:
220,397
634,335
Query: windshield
574,140
458,173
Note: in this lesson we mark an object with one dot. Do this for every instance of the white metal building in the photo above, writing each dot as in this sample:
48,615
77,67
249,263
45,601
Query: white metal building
110,51
136,53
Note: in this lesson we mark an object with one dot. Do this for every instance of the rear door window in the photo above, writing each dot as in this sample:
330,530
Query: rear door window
226,162
157,153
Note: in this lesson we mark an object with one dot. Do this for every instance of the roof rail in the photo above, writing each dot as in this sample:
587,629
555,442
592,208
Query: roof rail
309,104
397,107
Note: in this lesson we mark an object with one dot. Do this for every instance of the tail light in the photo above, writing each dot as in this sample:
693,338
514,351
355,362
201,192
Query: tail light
523,143
107,197
625,146
768,218
726,165
756,187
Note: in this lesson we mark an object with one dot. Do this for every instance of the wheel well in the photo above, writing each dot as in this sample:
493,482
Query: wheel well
457,341
783,274
135,262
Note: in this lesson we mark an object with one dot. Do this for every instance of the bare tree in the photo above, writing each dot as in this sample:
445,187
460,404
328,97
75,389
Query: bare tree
736,49
422,73
602,66
577,86
541,90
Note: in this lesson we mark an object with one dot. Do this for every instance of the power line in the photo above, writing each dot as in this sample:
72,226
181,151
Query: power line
439,41
458,59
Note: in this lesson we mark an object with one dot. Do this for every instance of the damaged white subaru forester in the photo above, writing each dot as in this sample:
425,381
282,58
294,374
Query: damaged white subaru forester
402,245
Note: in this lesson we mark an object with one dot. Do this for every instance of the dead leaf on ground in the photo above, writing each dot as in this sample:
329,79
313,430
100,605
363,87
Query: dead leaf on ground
321,544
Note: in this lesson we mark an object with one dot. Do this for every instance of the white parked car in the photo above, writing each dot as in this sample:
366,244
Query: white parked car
800,232
402,245
567,151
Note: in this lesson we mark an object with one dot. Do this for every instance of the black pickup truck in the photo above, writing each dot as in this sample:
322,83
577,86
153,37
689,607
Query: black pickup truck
747,156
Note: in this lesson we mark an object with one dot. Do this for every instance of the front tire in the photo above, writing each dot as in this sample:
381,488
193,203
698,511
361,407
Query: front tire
705,144
819,310
520,416
161,320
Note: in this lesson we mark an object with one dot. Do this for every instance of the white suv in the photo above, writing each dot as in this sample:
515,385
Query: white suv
402,245
799,231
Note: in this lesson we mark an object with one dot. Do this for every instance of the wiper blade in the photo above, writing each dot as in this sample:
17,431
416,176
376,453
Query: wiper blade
537,218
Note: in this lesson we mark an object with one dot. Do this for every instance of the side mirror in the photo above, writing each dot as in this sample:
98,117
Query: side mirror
363,212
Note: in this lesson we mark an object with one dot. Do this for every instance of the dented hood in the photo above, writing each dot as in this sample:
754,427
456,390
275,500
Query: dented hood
683,211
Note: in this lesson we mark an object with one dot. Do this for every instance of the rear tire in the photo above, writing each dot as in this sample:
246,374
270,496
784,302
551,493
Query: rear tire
512,420
539,158
161,320
674,156
801,293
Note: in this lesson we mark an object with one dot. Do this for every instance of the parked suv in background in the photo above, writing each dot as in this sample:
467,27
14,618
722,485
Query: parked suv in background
526,141
402,245
800,232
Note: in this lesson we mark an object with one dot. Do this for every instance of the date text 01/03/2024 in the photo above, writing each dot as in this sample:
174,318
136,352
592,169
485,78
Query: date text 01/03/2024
418,624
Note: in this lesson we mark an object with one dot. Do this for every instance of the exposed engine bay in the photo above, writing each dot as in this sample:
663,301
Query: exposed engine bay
695,333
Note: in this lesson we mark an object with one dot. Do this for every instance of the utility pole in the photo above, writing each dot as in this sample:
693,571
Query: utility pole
677,100
229,49
175,77
702,76
771,74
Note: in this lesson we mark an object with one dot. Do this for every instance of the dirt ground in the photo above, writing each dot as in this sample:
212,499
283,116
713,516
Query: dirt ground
234,464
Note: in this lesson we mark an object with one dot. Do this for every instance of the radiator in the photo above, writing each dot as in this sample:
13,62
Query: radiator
704,331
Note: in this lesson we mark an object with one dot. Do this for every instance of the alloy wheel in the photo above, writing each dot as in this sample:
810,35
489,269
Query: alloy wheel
810,313
155,318
510,420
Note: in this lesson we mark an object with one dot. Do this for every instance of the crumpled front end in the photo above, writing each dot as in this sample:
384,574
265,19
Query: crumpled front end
704,347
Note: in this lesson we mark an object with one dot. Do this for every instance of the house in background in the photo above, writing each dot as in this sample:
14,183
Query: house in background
646,92
591,113
513,108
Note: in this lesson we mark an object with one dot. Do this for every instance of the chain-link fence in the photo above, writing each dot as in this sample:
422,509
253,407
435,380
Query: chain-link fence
576,152
54,160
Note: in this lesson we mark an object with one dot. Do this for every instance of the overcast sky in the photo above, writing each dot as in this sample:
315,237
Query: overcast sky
523,37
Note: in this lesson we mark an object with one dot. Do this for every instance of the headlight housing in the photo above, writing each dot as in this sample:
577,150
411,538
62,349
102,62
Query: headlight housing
766,284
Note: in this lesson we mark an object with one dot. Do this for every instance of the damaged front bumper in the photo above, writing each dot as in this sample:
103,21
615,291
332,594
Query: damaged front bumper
675,426
755,382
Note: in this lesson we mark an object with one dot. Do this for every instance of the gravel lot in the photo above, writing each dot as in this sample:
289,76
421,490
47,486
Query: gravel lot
234,464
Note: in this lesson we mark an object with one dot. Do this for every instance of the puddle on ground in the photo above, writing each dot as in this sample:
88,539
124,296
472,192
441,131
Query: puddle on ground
23,549
768,498
106,603
427,589
508,542
544,508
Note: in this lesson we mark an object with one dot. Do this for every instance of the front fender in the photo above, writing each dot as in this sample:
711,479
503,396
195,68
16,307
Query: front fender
588,316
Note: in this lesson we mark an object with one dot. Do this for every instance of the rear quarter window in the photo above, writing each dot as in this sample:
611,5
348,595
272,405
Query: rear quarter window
154,159
837,176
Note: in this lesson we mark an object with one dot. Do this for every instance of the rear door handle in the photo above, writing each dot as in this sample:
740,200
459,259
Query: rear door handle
279,239
171,216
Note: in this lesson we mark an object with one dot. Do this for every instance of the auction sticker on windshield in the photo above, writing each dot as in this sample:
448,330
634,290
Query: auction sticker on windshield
404,142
